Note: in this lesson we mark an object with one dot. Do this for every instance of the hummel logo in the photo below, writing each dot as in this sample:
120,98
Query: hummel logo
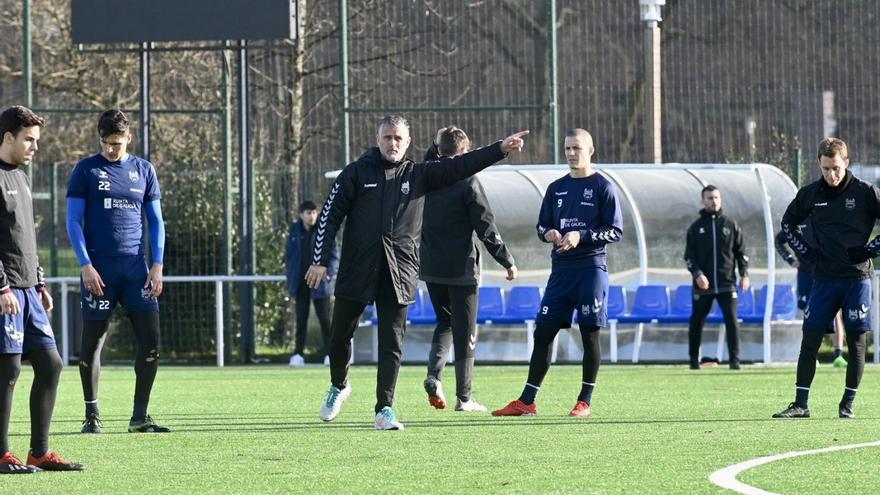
821,204
472,341
563,193
370,185
92,302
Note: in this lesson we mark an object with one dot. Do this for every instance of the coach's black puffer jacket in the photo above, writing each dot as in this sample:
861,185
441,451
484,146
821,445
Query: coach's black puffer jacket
382,204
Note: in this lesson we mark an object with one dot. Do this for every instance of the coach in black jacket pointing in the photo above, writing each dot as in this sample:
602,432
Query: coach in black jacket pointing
381,198
455,218
714,249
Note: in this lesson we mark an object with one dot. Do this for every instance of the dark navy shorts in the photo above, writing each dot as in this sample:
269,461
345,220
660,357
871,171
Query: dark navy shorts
826,298
124,278
29,330
804,284
582,289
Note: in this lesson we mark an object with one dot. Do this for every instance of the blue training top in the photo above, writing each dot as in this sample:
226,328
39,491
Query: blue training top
108,198
588,205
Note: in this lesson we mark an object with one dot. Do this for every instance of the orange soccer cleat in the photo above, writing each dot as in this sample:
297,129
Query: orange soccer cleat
581,410
516,408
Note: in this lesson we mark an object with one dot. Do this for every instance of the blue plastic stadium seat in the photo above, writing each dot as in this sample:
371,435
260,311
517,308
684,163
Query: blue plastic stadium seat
523,304
651,302
616,301
784,304
491,304
422,311
682,305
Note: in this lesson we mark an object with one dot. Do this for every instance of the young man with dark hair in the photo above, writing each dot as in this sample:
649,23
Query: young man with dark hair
580,215
713,250
24,300
805,284
381,198
842,211
105,197
297,259
450,265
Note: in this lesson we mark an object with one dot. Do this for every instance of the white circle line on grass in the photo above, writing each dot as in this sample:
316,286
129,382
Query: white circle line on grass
726,477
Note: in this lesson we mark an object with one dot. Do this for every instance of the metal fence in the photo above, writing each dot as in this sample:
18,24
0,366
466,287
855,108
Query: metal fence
742,81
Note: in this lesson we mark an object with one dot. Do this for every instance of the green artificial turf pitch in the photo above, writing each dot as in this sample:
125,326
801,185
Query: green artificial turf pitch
654,429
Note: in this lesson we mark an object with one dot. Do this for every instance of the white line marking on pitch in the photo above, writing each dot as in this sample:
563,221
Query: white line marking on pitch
726,477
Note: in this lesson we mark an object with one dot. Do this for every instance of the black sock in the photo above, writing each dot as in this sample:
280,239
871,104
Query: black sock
10,368
92,408
857,344
849,395
540,360
146,361
529,393
591,361
93,337
806,367
47,367
838,352
586,394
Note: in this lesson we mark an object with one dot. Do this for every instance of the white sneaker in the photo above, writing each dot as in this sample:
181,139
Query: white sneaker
333,403
386,419
326,360
469,406
297,360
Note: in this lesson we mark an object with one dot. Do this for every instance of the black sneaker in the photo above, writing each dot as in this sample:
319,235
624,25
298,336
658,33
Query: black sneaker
734,365
793,411
695,365
92,424
146,425
844,410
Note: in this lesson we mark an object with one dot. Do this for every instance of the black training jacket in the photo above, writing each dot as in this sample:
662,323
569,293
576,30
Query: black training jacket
714,247
19,266
455,217
382,204
840,217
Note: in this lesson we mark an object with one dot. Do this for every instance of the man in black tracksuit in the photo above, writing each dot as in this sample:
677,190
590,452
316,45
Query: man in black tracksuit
454,218
842,211
713,250
381,198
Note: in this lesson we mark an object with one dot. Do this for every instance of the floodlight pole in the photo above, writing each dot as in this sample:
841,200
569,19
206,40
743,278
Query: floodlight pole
246,211
650,10
145,100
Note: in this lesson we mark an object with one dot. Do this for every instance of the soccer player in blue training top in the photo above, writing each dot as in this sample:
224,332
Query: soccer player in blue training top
24,300
105,197
842,210
580,215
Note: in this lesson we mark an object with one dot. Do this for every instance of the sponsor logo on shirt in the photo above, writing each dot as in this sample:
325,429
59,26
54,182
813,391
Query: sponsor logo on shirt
571,222
117,203
136,190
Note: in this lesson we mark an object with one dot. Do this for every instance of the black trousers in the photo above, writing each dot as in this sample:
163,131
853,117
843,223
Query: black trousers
456,308
322,311
702,306
392,327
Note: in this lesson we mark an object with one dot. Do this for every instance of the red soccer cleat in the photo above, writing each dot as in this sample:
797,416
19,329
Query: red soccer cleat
9,464
516,408
581,410
51,461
